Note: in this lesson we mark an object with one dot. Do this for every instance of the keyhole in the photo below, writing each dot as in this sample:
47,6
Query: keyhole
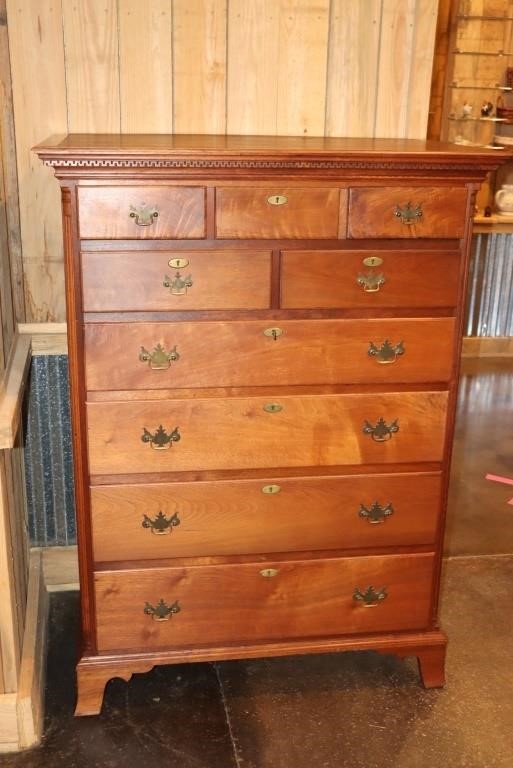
274,334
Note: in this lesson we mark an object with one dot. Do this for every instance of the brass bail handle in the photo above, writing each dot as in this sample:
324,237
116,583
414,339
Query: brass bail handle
144,215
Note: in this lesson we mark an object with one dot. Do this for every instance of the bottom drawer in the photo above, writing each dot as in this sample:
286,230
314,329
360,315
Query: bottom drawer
271,600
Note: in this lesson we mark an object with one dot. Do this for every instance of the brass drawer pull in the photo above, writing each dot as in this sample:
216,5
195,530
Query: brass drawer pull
160,440
271,489
277,200
409,214
144,215
178,285
273,407
161,525
386,353
273,333
161,611
371,282
376,513
382,431
371,597
268,573
159,359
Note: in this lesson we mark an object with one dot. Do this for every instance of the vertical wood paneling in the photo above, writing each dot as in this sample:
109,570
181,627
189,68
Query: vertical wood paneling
252,85
396,48
39,98
92,66
421,67
353,68
10,174
145,66
302,64
199,65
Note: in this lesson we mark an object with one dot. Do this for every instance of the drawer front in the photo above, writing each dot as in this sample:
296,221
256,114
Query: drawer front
369,280
236,602
252,212
274,514
141,212
254,432
152,281
226,354
407,212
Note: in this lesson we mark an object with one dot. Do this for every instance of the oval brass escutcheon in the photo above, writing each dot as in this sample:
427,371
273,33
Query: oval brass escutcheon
273,333
373,261
271,489
273,407
178,263
277,199
268,573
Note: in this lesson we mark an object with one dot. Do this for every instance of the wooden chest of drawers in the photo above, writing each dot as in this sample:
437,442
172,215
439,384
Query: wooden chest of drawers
264,338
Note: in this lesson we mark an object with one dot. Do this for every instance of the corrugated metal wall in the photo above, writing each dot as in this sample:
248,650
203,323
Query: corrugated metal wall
490,300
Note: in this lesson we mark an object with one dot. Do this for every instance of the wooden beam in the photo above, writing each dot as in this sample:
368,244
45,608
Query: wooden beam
30,702
47,338
11,393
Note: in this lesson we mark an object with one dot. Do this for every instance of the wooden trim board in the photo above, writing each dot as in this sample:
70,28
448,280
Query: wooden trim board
11,395
22,713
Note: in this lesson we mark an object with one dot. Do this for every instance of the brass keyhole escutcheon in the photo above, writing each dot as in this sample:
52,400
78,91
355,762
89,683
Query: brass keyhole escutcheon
273,333
373,261
268,573
271,489
277,200
273,407
178,263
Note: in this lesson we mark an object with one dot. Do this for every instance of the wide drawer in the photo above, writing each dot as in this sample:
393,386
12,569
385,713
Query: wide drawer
273,514
255,432
407,212
141,212
369,279
175,280
261,601
251,353
277,212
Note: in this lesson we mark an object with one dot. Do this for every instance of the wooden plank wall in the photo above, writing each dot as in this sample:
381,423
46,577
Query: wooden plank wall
297,67
13,540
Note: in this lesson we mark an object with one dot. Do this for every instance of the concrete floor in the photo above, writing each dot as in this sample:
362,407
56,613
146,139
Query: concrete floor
359,710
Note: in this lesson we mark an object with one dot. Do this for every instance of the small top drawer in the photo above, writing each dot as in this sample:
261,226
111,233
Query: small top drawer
141,212
407,212
277,212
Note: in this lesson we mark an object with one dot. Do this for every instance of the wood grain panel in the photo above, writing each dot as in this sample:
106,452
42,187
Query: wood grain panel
306,598
92,66
10,175
253,56
37,55
145,66
353,68
301,71
199,66
421,66
328,279
246,212
236,517
395,54
220,280
238,354
237,433
372,212
114,212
